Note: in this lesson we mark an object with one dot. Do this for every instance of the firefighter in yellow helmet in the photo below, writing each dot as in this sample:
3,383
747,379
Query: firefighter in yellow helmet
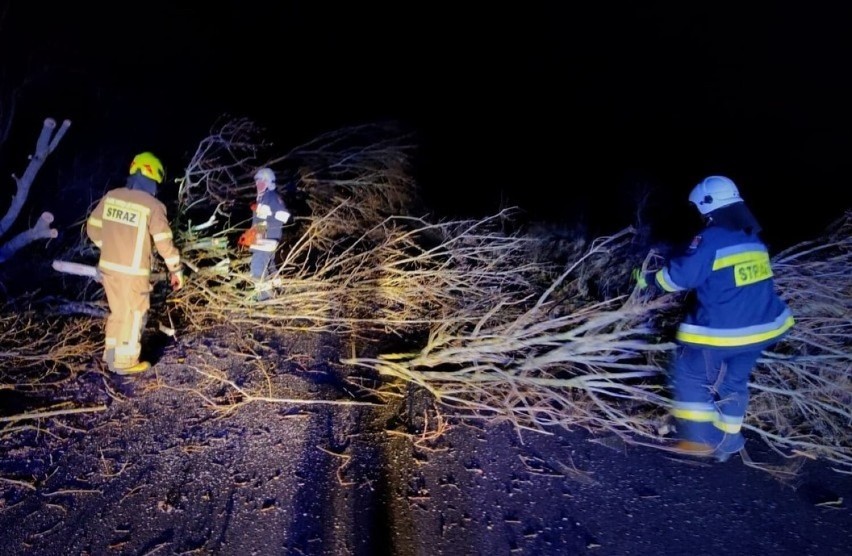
123,225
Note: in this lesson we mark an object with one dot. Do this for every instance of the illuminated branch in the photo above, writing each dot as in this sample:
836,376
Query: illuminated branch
501,332
45,145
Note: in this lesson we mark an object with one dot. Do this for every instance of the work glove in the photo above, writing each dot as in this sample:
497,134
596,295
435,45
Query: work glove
177,280
639,278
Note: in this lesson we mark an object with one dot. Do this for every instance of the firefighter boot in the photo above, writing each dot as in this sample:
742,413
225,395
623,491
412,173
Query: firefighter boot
140,367
692,448
731,444
125,369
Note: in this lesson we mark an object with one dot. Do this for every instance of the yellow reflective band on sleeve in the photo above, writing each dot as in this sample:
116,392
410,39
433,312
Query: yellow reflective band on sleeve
162,235
99,243
172,262
665,282
96,222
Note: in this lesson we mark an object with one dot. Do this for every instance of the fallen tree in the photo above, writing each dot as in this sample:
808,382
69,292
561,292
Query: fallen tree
493,329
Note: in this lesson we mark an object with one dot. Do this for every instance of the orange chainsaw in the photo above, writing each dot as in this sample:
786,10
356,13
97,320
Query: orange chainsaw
248,238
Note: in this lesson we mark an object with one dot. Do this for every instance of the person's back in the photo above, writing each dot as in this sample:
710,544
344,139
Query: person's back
130,217
731,273
737,314
122,225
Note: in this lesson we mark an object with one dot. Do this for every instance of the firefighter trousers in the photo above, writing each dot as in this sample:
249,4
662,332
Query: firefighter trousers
711,395
129,299
261,268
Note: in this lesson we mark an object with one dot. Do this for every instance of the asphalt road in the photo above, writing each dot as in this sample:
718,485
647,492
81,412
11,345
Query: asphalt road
162,472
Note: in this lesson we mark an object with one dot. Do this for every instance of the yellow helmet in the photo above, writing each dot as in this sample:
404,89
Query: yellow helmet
149,165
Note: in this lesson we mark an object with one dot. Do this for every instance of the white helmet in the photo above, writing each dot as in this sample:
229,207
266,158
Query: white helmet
713,193
265,175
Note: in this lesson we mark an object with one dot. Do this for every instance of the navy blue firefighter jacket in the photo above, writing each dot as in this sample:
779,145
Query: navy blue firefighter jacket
736,303
270,215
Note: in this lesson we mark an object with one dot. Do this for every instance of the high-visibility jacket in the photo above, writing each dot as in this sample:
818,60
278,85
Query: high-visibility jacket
737,305
123,224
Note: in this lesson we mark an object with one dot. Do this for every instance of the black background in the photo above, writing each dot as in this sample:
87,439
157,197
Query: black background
570,112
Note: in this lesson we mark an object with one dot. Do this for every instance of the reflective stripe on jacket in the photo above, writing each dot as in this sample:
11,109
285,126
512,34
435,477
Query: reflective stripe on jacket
737,305
123,224
270,215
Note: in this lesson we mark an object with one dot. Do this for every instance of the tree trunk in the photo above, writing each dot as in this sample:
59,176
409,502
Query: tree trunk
47,142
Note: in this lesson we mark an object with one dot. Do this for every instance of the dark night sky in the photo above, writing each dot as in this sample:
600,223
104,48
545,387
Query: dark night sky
566,111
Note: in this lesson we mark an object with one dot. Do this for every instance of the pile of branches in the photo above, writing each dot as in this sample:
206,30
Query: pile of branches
40,351
568,359
601,365
502,331
508,336
802,391
41,359
355,260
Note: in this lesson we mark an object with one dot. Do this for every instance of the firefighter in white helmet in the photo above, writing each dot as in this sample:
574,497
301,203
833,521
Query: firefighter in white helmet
123,225
269,216
737,314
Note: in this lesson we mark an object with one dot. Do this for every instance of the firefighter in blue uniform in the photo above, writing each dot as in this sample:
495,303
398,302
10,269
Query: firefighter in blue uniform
269,216
737,315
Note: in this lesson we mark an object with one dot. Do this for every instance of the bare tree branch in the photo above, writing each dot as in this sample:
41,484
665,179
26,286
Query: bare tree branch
47,142
40,230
